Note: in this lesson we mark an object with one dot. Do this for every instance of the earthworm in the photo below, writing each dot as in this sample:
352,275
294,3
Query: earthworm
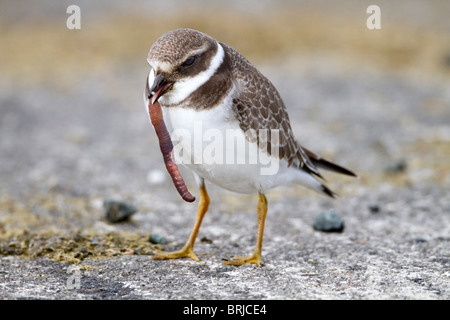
166,146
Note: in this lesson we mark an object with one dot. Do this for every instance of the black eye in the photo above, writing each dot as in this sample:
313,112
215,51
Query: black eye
189,61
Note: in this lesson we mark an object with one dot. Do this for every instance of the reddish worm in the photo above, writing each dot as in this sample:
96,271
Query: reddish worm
166,146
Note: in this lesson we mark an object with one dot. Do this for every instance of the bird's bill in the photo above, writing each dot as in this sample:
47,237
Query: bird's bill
159,87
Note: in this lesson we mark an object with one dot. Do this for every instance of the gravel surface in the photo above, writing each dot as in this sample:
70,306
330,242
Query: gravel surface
74,133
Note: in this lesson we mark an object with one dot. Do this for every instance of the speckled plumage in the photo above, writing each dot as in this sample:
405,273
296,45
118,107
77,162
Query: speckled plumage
171,47
258,105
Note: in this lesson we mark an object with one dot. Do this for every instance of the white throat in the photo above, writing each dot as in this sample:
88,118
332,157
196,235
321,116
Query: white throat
185,87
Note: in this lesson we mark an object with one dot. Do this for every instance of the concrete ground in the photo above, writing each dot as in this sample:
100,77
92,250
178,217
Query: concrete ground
74,132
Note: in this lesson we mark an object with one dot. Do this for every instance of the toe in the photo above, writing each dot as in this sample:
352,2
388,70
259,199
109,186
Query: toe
183,253
239,261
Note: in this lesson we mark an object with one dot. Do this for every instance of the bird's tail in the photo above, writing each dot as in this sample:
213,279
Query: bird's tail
327,165
321,163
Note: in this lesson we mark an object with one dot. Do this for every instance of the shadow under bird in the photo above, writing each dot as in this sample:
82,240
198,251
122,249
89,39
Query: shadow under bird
196,80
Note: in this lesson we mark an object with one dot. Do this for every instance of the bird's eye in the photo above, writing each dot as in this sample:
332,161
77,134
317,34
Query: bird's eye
189,61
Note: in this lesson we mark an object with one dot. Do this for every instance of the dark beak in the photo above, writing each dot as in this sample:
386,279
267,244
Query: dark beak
159,87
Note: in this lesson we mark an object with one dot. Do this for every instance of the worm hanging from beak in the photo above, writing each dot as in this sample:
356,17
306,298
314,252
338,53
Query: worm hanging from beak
166,146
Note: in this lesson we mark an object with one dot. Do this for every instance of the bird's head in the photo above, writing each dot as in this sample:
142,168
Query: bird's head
181,61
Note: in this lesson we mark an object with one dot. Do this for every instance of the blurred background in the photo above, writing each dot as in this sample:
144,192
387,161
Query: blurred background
74,131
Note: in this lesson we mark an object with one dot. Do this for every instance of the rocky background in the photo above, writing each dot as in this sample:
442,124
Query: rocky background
76,144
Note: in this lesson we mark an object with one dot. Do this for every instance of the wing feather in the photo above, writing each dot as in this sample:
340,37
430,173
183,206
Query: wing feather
258,105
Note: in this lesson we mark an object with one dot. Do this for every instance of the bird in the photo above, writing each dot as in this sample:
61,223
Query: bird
200,86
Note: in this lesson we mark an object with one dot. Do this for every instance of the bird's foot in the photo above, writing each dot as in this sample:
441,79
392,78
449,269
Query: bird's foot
239,261
185,252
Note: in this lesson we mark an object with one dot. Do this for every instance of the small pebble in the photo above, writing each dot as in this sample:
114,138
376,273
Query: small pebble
374,208
118,211
396,166
225,268
328,221
157,239
206,240
420,240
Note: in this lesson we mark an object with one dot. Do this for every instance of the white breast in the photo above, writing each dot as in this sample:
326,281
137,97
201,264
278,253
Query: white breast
199,138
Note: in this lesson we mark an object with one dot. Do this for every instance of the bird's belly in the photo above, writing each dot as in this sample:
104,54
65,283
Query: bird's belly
211,143
237,178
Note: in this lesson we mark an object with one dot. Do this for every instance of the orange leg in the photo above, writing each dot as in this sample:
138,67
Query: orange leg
256,258
188,250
